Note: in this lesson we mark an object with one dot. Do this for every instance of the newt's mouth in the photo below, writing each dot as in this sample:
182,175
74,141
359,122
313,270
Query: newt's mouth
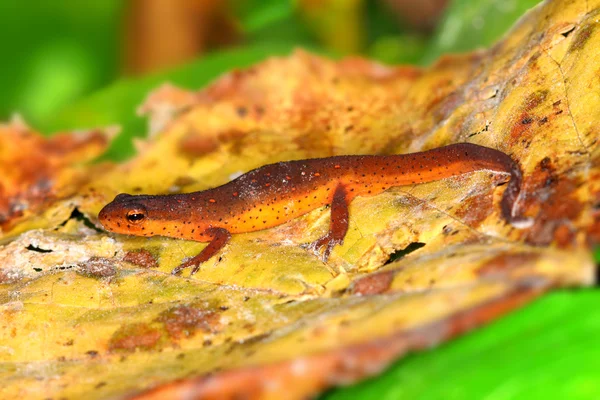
110,219
104,217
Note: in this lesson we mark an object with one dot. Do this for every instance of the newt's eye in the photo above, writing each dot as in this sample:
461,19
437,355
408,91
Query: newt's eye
136,215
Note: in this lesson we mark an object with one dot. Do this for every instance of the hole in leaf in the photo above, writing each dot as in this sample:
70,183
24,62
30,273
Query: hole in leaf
38,249
398,254
567,32
79,216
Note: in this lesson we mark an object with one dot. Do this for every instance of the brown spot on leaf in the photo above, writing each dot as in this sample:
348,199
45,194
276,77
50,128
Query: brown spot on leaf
134,336
255,339
237,140
184,181
523,123
231,135
582,37
564,235
555,203
314,142
97,267
474,210
241,111
535,99
185,321
373,284
521,126
194,144
504,263
142,258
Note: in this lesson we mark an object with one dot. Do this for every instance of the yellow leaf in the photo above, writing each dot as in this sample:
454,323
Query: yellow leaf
91,314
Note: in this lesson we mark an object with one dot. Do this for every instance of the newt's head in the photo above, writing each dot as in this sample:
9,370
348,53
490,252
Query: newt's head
147,215
125,214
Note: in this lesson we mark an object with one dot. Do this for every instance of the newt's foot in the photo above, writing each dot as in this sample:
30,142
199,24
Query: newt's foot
220,237
191,263
323,246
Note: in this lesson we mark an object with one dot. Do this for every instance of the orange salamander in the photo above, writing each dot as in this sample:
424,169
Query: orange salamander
274,194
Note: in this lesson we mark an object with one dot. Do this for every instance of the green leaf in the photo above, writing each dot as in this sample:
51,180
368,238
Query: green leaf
55,51
256,15
548,350
116,104
470,24
398,49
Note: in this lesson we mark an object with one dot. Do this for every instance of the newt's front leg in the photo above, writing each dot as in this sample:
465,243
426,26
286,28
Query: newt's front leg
338,225
220,237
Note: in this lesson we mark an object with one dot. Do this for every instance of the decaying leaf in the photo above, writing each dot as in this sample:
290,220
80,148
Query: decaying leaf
35,172
267,318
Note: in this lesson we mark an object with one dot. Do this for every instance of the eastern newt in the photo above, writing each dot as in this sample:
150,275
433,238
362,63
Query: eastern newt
274,194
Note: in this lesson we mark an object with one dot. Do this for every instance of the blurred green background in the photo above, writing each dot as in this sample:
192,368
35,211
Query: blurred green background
67,64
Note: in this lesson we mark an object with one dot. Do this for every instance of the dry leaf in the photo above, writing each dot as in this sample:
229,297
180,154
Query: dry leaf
267,318
34,172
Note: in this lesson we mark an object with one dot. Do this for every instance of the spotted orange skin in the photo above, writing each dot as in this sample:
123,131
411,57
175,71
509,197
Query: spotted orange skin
274,194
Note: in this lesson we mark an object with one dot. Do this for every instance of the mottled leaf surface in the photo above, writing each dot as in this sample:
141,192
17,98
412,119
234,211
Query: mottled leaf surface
86,313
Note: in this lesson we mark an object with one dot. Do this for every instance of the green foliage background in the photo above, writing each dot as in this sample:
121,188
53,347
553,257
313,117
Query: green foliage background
60,70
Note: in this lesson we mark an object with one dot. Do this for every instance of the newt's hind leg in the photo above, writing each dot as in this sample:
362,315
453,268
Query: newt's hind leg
220,237
338,225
